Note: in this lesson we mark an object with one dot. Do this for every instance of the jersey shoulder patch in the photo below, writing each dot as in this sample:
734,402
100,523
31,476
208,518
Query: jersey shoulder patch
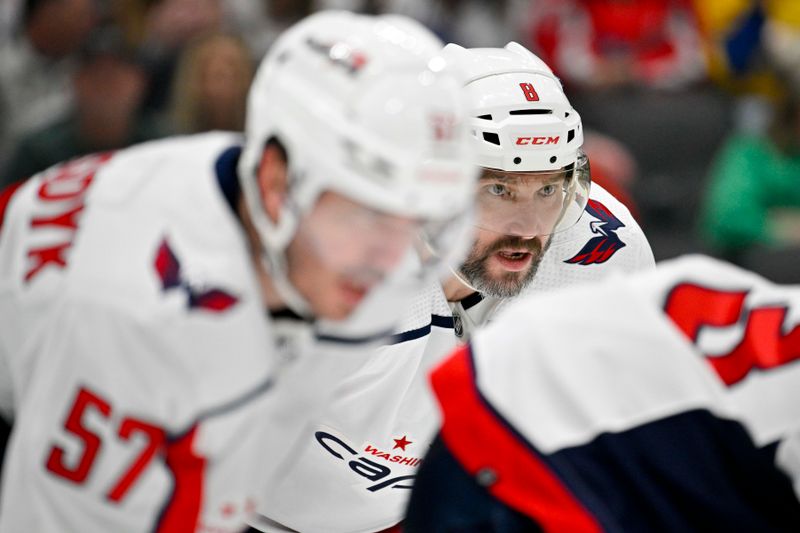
606,242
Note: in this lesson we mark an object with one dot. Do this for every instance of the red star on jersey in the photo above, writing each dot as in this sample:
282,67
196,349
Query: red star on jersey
227,510
401,443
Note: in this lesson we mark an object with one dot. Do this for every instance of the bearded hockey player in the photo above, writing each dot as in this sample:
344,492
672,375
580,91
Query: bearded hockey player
138,356
676,408
539,227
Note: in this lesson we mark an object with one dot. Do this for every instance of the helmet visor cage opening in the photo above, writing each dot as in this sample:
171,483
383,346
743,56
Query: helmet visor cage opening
530,204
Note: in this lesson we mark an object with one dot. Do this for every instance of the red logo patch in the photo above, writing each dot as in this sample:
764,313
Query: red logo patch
168,269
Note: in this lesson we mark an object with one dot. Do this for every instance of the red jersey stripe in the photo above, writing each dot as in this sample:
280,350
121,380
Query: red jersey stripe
480,441
182,513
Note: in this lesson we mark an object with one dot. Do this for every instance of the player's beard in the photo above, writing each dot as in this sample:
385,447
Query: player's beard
508,284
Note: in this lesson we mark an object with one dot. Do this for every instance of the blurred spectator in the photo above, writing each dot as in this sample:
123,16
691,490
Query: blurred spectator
611,43
109,86
36,66
740,34
470,23
754,193
613,167
732,39
168,27
782,38
209,91
9,19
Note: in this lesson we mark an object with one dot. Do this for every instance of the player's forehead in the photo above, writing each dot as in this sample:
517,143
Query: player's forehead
492,174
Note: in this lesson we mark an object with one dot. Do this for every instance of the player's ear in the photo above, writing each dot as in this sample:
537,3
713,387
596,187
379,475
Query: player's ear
272,179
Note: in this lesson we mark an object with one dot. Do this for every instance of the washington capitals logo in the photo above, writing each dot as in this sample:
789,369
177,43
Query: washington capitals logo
340,54
600,249
169,270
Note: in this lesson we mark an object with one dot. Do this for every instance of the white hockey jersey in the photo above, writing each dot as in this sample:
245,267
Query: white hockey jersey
136,354
668,401
354,468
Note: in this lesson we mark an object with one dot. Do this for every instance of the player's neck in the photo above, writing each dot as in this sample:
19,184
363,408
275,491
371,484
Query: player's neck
455,290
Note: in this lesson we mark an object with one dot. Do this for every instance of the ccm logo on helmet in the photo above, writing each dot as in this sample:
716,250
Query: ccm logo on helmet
537,140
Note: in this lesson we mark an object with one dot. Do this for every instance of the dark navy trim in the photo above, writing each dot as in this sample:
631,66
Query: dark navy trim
472,300
648,469
224,408
165,505
352,340
5,433
208,413
227,177
581,493
286,314
442,321
438,321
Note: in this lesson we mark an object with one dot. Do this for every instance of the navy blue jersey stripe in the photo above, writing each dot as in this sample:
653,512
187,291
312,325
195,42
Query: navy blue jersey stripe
227,177
691,471
648,479
442,321
438,321
472,300
353,340
446,499
224,408
5,433
588,499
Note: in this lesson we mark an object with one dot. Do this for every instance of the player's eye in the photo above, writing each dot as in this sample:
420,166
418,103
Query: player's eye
497,189
548,190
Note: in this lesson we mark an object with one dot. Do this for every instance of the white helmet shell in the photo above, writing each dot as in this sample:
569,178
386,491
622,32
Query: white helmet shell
521,120
365,107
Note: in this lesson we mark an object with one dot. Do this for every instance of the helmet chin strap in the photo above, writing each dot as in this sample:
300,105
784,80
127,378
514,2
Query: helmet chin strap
274,243
460,279
275,263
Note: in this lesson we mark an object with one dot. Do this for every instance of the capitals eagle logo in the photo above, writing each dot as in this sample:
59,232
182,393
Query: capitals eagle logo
599,249
168,269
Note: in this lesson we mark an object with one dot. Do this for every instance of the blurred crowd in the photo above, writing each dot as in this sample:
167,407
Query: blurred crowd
691,106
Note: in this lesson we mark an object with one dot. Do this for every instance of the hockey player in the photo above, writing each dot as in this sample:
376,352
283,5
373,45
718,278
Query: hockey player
662,402
358,461
137,355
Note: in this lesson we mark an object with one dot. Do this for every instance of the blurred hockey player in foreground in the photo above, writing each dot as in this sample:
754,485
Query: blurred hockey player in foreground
137,354
662,402
539,227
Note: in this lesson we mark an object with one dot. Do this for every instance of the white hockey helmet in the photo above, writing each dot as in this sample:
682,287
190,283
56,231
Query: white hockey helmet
366,107
521,120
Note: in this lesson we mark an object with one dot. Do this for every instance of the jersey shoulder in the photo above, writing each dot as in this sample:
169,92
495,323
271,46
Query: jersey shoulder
606,239
427,308
96,225
143,243
694,333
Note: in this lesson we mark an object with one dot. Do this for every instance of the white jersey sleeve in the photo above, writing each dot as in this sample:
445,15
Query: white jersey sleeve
695,336
137,347
356,460
642,402
626,405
